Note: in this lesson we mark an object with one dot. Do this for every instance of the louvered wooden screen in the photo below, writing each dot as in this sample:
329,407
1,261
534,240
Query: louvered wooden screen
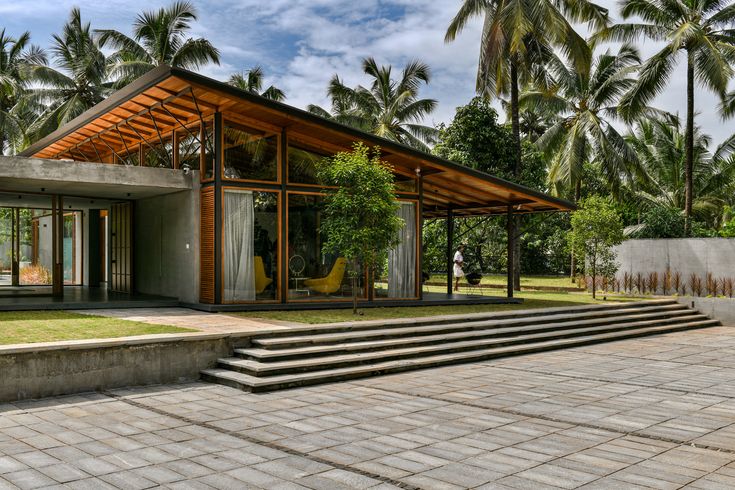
206,247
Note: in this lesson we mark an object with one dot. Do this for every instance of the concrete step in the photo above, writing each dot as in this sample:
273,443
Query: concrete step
357,344
379,333
322,362
265,383
363,325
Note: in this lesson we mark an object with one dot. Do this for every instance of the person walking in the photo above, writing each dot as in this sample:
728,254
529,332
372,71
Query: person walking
458,264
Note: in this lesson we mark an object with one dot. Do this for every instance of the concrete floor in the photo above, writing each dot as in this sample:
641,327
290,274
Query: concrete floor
654,412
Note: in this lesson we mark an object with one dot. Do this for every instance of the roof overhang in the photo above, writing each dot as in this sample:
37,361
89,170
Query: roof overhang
167,98
94,180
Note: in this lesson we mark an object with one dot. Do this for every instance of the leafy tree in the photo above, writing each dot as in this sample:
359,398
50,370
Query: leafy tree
388,108
585,102
702,32
596,229
15,56
360,210
79,82
252,81
159,37
660,222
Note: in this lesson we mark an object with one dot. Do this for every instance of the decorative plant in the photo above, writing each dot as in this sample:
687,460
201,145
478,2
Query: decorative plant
695,285
677,284
727,286
640,283
616,284
35,275
666,286
653,282
627,282
711,284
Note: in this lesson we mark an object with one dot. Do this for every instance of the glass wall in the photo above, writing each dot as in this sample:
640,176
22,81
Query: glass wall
314,273
250,154
157,154
189,148
302,164
250,246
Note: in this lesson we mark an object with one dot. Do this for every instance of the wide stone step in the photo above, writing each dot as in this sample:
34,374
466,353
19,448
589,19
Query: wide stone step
315,363
529,315
268,355
457,326
266,383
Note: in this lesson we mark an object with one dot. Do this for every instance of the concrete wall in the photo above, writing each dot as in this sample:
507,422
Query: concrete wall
62,368
722,309
685,255
167,245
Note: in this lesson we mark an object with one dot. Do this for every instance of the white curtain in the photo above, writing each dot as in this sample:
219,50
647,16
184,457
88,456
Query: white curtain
239,280
402,259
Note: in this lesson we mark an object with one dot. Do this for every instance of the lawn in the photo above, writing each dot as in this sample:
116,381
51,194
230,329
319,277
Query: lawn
531,300
20,327
526,281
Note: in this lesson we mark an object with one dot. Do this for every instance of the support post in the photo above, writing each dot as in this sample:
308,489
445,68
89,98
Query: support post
420,238
511,249
57,246
282,236
218,205
450,249
15,247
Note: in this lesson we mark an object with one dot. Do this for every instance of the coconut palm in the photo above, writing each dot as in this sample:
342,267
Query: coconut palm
159,37
78,81
517,34
661,145
699,31
15,56
388,108
252,81
586,104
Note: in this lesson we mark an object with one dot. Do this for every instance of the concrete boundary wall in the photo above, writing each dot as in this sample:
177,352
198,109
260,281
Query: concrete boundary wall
684,255
63,368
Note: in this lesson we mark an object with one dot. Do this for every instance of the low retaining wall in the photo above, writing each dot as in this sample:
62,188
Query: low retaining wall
62,368
722,309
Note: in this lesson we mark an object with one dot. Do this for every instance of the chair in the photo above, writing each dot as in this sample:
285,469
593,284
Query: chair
332,281
261,280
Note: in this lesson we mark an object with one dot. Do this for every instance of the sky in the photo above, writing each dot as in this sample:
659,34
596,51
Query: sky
301,44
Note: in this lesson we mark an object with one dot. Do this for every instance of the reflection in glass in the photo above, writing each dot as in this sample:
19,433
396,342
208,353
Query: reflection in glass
314,273
158,155
302,164
189,148
249,154
250,246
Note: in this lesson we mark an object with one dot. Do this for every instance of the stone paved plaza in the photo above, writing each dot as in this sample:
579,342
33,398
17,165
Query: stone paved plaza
657,412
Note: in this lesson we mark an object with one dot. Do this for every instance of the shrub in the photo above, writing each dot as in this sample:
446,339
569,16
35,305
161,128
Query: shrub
666,286
695,285
711,284
35,274
653,282
661,222
677,284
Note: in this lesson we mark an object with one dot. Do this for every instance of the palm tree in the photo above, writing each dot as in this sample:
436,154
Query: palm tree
702,31
388,108
252,81
159,37
79,82
15,56
586,103
661,146
518,35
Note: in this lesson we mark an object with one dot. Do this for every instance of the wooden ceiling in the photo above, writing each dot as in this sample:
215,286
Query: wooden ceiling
168,99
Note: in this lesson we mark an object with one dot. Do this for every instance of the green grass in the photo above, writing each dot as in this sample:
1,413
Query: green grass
526,281
20,327
532,299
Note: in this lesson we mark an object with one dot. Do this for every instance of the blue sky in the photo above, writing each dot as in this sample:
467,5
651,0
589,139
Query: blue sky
302,43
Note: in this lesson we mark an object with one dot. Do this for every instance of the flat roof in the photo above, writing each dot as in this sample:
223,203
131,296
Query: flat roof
167,97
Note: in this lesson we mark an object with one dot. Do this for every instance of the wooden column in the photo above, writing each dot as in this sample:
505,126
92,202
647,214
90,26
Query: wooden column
420,237
218,207
57,246
511,249
282,236
450,250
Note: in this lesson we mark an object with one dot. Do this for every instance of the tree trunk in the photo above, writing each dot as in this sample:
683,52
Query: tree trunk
573,265
689,171
517,154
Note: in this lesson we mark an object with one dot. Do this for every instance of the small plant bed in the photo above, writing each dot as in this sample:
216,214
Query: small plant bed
22,327
531,300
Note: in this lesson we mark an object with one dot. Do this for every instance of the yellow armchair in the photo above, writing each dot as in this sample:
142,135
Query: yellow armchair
332,281
261,280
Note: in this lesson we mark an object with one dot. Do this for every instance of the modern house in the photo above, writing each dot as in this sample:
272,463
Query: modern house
184,187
